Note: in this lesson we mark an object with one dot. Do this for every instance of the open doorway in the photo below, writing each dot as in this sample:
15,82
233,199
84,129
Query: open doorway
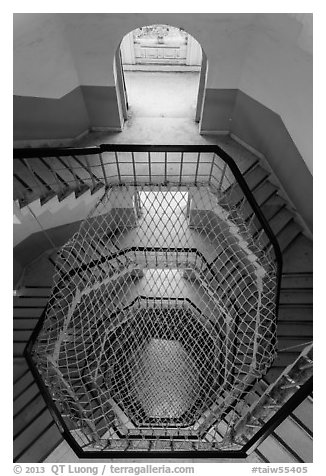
163,203
162,73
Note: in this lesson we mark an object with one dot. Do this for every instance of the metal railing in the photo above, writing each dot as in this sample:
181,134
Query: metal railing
44,173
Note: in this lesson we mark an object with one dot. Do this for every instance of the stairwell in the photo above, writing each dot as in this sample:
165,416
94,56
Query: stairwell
35,432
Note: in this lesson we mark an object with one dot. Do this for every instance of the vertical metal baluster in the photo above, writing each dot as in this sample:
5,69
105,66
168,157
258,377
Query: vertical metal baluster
90,173
197,167
149,167
188,206
103,169
211,171
74,174
165,167
118,166
222,177
134,167
181,166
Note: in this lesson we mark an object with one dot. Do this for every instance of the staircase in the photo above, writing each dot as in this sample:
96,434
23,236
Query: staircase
35,432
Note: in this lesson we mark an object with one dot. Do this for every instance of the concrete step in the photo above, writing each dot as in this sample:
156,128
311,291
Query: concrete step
25,381
38,441
297,439
297,281
304,415
274,451
295,312
292,296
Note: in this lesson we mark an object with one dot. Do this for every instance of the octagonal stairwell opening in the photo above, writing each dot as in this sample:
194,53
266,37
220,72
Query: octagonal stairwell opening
162,315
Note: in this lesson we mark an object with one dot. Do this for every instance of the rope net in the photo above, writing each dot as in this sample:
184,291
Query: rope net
162,315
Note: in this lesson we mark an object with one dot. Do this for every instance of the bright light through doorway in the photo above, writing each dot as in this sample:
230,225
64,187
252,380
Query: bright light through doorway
161,66
163,200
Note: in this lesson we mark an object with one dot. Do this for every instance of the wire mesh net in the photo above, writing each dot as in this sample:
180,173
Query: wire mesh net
162,315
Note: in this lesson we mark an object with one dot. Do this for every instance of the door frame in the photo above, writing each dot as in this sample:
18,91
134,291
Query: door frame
122,95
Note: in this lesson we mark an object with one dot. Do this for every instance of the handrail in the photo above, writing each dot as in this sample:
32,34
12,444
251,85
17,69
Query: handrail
286,410
37,152
30,153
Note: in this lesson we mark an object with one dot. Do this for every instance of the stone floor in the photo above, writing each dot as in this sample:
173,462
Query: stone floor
162,94
162,110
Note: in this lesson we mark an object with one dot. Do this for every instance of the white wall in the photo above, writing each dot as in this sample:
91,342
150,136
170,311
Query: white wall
43,65
53,53
268,56
95,37
278,73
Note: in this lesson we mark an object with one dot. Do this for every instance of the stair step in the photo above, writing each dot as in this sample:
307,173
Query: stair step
24,323
304,413
297,281
28,312
263,195
293,329
25,381
20,192
274,452
296,296
21,335
45,174
34,449
255,176
295,312
278,224
264,192
295,438
18,349
31,432
288,234
23,301
20,369
25,398
35,291
274,207
35,188
28,416
298,257
280,220
64,175
79,170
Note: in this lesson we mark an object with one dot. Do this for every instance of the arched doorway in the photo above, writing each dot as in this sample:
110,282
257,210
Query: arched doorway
160,72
